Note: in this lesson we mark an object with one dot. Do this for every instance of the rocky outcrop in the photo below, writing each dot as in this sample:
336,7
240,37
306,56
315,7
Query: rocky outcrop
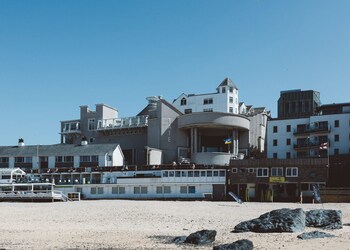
280,220
201,237
324,218
237,245
314,235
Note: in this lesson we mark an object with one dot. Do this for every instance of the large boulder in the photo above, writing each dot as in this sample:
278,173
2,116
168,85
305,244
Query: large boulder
237,245
280,220
324,218
314,235
201,237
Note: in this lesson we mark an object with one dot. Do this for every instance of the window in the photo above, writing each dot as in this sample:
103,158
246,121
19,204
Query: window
288,128
234,170
183,189
177,174
163,190
275,155
136,190
223,90
276,171
143,190
251,170
336,123
191,189
165,174
92,139
183,101
100,190
93,190
171,173
222,173
231,89
208,101
91,124
196,173
336,137
19,159
4,159
230,109
262,172
167,189
275,142
202,173
118,190
190,173
275,130
336,151
231,99
188,111
215,173
183,173
288,141
209,173
208,110
288,155
292,172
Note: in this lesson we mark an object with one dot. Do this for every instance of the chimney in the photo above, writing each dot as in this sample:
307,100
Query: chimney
84,141
20,142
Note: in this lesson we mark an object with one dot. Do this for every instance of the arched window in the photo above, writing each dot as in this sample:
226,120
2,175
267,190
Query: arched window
183,101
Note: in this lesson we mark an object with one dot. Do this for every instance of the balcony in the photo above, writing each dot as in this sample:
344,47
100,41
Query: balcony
311,129
71,128
120,123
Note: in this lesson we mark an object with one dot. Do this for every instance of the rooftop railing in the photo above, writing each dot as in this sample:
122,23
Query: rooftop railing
127,122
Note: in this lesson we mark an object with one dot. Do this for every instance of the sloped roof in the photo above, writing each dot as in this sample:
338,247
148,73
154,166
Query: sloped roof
227,82
57,150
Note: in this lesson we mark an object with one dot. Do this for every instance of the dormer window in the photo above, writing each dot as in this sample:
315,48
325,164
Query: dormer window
223,89
183,101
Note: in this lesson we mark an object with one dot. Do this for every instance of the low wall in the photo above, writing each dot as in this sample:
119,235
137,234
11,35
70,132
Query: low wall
335,195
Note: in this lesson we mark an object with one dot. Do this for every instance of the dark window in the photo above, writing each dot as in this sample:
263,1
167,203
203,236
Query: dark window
336,151
288,155
183,101
336,123
208,101
275,129
274,142
288,141
223,89
188,111
336,137
275,155
288,128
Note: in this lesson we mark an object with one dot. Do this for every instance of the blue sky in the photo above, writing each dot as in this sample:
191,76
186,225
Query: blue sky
58,55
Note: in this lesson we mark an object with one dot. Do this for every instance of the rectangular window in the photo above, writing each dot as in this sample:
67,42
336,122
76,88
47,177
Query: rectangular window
183,189
336,137
183,173
275,156
93,190
91,124
231,89
144,190
19,159
275,129
262,172
188,111
223,90
196,173
336,151
209,173
159,190
231,99
190,173
177,174
100,190
136,190
251,170
222,173
167,189
215,173
165,174
118,190
6,159
336,123
275,142
288,155
288,141
230,109
208,110
234,170
288,128
202,173
208,101
276,171
292,172
191,189
171,173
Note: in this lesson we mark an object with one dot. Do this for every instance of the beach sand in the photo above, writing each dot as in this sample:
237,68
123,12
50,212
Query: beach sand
127,224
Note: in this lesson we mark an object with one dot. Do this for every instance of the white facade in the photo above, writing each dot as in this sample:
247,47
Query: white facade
224,100
285,140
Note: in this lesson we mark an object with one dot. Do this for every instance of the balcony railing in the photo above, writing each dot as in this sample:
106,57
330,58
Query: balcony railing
311,130
127,122
71,128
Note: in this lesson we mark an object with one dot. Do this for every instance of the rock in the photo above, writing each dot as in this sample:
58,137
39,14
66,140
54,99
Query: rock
314,234
280,220
201,237
324,218
179,240
237,245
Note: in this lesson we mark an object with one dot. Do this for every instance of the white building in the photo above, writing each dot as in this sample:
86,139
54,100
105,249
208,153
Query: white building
224,100
303,137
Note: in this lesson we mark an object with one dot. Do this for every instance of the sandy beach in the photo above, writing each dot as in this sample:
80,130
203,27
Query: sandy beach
126,224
